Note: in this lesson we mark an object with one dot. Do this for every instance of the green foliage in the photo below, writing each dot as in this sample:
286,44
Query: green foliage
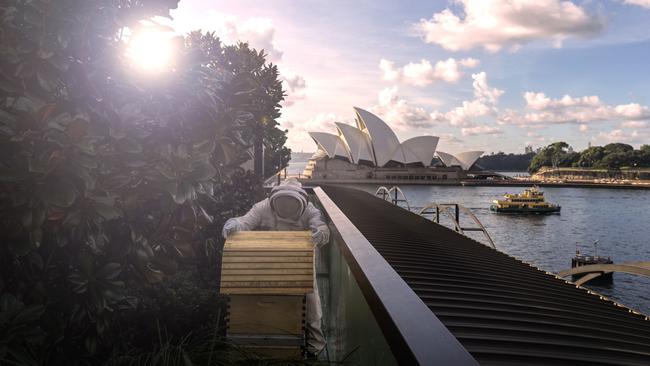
555,155
610,156
276,155
261,90
111,180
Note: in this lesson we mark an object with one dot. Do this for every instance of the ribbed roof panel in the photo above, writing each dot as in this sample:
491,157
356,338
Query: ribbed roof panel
502,310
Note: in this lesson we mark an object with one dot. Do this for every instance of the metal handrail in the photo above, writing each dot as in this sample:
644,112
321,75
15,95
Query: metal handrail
416,336
386,193
455,218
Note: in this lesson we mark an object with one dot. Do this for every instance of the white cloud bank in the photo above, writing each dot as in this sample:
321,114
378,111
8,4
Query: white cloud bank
424,73
622,135
259,33
480,130
483,104
398,113
402,115
494,24
542,111
295,86
643,3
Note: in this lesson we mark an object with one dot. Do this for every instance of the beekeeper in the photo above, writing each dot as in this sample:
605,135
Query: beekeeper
287,208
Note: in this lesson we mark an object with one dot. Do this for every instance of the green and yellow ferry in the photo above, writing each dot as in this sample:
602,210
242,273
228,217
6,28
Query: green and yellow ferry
530,201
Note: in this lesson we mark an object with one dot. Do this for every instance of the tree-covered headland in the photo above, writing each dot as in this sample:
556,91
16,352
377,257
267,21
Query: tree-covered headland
115,182
611,156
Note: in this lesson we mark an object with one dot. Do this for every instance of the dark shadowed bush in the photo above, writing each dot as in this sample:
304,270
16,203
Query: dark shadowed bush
112,183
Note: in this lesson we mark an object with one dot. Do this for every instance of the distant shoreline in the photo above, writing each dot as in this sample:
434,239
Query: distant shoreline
479,183
527,183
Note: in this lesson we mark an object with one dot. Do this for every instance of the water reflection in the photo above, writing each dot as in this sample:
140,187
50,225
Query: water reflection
617,218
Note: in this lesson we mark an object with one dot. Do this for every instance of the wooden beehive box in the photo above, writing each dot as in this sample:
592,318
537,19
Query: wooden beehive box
268,262
266,275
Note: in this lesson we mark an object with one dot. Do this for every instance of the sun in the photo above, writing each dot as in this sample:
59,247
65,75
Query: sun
150,50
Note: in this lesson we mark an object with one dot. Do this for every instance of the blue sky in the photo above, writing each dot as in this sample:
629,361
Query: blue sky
481,74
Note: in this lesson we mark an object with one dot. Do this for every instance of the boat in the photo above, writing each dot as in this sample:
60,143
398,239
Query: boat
530,201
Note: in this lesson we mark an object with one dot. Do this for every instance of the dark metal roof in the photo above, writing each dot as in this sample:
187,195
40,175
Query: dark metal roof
502,310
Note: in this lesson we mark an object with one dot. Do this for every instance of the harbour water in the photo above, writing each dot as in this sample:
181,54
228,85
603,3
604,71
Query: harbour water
617,218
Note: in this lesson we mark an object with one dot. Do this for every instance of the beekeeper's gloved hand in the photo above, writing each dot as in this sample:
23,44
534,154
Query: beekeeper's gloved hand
229,227
320,237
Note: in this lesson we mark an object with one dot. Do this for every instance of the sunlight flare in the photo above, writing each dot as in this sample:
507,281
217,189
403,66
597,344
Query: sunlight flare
151,50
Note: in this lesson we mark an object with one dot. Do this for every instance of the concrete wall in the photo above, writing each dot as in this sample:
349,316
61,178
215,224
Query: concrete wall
342,171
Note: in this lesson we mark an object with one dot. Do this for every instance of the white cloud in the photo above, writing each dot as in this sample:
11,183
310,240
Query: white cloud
542,111
401,115
480,130
469,62
583,128
398,113
635,124
494,24
295,87
483,104
298,139
643,3
619,135
450,138
424,73
321,122
483,91
539,101
462,115
258,32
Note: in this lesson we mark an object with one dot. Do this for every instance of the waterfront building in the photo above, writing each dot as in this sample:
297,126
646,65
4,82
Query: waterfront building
372,152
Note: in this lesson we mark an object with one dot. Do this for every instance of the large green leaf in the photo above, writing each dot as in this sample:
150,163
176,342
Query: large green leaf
110,271
202,171
21,247
57,191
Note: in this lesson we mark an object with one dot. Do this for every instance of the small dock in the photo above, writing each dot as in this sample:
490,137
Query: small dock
580,260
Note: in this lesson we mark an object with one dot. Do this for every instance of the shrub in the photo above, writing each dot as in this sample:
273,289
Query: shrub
111,182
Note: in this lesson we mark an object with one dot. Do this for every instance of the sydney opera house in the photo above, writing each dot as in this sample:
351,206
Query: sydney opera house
372,152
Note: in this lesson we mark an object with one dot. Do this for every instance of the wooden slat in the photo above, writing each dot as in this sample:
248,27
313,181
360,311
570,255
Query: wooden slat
292,243
266,315
267,278
240,252
269,240
265,284
270,234
282,259
267,290
268,262
265,265
267,271
261,239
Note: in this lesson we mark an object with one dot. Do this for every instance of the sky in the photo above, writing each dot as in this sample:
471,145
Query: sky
481,74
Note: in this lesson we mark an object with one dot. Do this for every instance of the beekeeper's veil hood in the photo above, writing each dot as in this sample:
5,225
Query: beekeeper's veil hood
288,200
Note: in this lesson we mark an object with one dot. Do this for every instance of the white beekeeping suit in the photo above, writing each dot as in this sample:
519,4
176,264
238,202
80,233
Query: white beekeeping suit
287,208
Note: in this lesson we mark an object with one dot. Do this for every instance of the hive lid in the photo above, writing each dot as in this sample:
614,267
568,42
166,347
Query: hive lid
269,241
268,262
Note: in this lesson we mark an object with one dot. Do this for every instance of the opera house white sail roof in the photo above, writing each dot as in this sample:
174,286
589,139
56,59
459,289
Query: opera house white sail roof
357,141
374,142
